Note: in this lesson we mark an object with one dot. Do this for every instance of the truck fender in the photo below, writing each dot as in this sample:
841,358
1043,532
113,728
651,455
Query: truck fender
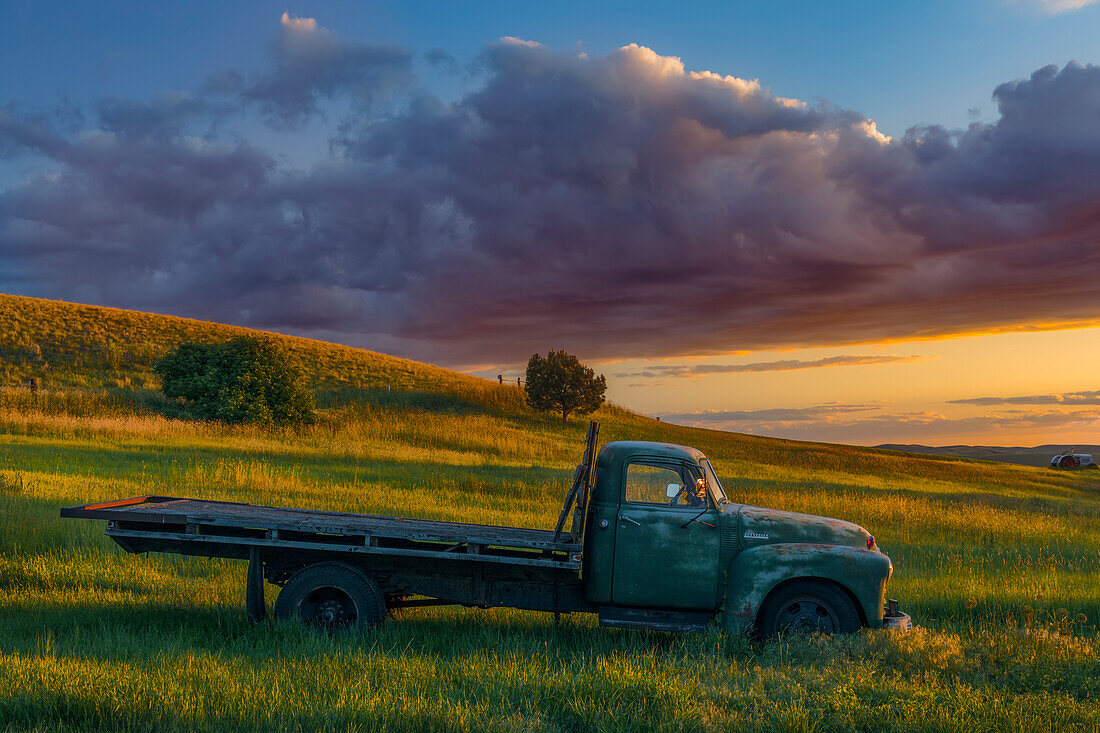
756,572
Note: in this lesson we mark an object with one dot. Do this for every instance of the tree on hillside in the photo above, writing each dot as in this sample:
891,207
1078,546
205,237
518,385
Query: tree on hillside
559,382
248,379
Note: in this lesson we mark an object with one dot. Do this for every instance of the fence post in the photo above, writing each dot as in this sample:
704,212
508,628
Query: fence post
34,386
500,378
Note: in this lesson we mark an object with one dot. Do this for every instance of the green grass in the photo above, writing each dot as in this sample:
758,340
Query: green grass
997,563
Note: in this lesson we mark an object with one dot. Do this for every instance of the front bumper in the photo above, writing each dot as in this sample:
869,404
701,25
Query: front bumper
895,619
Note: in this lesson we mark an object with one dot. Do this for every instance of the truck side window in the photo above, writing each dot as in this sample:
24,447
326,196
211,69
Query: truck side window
647,484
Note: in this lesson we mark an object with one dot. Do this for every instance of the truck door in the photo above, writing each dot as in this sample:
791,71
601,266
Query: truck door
660,562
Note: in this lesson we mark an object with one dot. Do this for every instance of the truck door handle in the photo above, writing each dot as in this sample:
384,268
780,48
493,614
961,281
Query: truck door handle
628,519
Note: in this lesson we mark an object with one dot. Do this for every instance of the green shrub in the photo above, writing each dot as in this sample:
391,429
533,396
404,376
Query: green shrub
247,379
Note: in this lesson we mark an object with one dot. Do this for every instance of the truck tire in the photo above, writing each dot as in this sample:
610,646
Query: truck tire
333,596
808,607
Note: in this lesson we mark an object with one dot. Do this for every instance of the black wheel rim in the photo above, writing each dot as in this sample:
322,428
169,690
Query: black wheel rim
329,607
808,616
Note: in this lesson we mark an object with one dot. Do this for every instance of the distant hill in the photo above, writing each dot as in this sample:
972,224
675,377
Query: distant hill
72,345
1039,455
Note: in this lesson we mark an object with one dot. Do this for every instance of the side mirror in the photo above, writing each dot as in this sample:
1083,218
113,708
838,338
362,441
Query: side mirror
672,491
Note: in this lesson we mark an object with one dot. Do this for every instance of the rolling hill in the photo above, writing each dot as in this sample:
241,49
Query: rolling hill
71,345
996,562
1039,455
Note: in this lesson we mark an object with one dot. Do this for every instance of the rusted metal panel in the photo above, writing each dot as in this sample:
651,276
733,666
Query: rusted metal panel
777,546
665,560
762,526
757,571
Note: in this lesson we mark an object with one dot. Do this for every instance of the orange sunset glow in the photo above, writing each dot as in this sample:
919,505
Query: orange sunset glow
998,389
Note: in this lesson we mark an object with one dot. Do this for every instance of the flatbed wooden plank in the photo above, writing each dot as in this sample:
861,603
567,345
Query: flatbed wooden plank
171,510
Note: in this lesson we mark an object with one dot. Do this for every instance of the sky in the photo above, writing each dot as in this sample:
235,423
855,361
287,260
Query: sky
848,222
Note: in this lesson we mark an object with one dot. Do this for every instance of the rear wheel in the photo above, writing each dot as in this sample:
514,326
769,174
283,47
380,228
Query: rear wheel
1068,462
332,596
808,607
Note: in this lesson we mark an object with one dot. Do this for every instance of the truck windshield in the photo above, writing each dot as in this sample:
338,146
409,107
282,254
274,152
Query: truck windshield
713,482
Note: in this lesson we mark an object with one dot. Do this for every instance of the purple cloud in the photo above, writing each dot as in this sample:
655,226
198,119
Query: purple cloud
1091,397
311,64
614,205
775,415
689,370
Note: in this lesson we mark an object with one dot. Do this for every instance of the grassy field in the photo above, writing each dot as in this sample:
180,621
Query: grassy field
997,563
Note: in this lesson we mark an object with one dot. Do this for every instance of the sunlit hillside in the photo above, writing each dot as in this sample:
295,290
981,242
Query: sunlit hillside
997,563
71,345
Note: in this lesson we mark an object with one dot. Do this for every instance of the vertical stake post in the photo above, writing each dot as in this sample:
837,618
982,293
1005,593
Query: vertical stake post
254,588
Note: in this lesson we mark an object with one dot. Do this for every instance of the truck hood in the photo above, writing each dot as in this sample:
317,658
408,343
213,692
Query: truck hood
759,526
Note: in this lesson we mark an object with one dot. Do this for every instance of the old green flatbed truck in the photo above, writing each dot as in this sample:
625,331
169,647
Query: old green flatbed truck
654,543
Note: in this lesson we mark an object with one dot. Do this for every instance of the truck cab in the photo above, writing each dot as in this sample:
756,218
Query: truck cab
661,536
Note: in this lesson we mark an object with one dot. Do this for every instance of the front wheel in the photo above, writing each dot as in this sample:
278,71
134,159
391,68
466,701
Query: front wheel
808,607
332,596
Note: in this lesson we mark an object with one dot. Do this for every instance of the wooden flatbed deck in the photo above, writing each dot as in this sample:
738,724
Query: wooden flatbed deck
229,529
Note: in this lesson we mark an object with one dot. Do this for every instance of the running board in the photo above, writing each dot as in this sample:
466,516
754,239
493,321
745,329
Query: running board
643,618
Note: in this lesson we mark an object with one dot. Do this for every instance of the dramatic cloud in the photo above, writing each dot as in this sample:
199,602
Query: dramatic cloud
310,65
1070,398
656,372
167,116
615,205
